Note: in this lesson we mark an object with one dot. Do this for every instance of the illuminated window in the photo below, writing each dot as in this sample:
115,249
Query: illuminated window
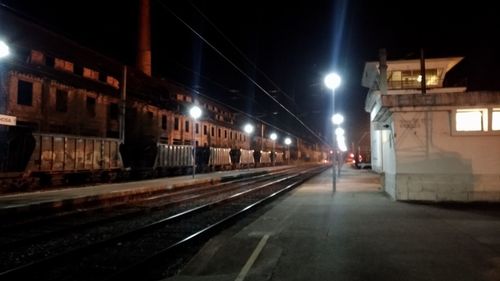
471,120
90,73
495,119
411,79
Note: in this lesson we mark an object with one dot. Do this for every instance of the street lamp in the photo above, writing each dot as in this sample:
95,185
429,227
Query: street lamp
248,128
332,81
339,132
337,119
4,49
274,136
288,141
195,113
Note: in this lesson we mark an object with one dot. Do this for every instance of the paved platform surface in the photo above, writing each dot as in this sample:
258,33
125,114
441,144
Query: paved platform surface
72,197
357,234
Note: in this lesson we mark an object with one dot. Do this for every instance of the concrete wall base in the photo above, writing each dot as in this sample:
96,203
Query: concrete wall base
443,187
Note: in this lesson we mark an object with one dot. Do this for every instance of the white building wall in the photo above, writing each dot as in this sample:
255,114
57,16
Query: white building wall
376,150
375,142
432,164
389,160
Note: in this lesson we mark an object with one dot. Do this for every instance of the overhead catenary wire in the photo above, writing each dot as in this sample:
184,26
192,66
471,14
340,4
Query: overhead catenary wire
233,108
242,54
242,72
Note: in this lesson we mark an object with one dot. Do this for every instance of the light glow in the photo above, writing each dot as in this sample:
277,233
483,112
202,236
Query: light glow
248,128
337,119
274,136
339,132
195,112
332,81
4,49
471,120
495,119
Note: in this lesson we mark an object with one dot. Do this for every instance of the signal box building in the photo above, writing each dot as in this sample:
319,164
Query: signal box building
440,144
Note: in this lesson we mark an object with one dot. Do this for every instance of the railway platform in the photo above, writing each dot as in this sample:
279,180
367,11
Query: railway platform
358,233
70,198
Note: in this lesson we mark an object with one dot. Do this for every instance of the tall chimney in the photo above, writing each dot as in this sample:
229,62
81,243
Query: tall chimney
383,71
144,44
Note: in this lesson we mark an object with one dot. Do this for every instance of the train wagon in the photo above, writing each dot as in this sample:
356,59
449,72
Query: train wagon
74,158
173,158
247,158
279,158
220,158
265,158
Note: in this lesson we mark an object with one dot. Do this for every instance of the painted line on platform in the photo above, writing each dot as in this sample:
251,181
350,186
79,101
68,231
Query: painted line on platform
253,257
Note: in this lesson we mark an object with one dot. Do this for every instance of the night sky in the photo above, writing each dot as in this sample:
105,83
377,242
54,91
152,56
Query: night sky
286,47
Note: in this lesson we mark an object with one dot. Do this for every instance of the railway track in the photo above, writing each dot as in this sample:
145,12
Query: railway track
40,228
183,217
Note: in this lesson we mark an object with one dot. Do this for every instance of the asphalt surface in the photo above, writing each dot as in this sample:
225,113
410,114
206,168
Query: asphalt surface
358,233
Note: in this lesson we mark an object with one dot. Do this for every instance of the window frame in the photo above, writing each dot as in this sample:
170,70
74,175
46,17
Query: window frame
61,103
19,100
485,131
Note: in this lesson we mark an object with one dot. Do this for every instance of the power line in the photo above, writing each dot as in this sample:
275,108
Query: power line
241,71
241,53
216,83
233,108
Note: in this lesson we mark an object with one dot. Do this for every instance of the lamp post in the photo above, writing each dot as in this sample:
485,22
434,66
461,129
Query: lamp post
339,132
288,141
274,136
195,113
332,81
248,128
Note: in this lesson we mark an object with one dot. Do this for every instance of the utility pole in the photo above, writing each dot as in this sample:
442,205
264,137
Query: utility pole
123,104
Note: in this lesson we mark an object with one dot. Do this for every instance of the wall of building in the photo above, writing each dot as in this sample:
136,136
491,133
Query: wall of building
376,149
433,164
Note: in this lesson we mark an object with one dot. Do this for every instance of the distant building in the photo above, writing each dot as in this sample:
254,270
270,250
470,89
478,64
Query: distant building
443,145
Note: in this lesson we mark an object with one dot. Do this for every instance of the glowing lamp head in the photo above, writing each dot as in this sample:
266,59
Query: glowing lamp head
4,49
274,136
288,141
195,112
332,81
337,119
248,128
339,132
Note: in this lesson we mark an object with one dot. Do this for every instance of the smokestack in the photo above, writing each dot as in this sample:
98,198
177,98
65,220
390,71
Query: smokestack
383,71
144,44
